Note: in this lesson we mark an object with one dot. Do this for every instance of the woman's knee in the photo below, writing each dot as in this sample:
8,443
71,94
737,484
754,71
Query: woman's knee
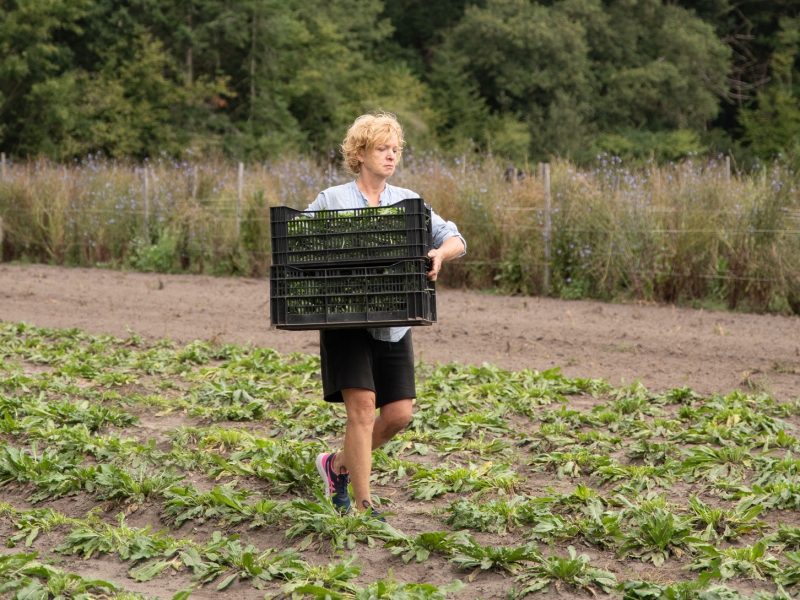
397,415
360,405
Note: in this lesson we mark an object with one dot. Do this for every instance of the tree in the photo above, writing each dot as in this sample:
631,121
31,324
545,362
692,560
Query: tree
577,67
772,125
30,51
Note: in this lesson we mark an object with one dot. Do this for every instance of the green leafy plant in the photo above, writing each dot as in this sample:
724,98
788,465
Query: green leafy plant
656,536
685,590
121,486
473,555
420,547
754,562
338,578
428,484
95,537
725,524
789,574
573,571
718,463
787,536
600,527
653,453
30,523
228,558
321,520
497,516
570,463
28,578
386,589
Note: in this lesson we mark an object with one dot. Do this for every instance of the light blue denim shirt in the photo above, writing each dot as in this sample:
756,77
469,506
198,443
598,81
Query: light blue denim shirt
349,196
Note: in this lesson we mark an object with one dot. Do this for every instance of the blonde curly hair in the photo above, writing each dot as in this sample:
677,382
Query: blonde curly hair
366,132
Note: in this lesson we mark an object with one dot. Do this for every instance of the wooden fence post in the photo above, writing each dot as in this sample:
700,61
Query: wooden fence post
239,201
146,207
194,183
547,226
728,170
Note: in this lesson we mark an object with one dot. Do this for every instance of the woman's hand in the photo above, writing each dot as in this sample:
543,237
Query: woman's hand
452,248
436,264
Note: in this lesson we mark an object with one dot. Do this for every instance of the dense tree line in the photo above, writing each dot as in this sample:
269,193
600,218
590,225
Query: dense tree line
256,78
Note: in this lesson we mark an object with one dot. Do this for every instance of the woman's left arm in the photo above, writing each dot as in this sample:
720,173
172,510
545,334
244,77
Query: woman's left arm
448,244
451,248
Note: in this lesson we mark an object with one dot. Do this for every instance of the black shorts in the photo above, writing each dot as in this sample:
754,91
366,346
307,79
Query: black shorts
352,358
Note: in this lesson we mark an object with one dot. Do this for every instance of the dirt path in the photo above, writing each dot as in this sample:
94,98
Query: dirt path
664,346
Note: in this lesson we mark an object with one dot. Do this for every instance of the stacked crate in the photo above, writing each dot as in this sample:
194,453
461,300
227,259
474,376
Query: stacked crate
363,267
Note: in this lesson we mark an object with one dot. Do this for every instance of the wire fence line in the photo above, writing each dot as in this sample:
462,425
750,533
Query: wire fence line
689,223
541,227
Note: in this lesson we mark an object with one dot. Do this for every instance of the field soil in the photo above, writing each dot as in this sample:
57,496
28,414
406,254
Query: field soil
663,346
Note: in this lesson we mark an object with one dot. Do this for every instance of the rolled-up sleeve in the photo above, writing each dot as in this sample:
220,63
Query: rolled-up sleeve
442,230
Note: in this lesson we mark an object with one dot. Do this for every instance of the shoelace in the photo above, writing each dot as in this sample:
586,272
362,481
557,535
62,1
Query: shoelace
340,484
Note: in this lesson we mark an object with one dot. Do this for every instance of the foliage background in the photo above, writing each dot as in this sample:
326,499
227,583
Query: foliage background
257,79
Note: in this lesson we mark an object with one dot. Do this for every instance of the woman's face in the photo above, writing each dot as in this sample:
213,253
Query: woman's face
382,159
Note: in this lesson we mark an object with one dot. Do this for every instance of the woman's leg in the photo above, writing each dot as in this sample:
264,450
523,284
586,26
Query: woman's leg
365,433
393,418
356,457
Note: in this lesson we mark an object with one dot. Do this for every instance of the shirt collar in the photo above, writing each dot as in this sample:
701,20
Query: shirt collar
383,199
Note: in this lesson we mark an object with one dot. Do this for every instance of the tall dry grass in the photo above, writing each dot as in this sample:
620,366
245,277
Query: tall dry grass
678,232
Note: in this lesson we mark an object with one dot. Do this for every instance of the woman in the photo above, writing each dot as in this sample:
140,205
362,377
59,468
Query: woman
371,368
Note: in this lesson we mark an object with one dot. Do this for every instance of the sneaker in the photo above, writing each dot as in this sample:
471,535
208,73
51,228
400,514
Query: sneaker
335,483
373,512
377,516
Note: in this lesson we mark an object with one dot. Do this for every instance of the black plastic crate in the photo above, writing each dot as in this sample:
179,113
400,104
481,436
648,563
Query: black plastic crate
362,235
337,297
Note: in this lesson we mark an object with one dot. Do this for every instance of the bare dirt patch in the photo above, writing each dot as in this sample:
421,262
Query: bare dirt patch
664,346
